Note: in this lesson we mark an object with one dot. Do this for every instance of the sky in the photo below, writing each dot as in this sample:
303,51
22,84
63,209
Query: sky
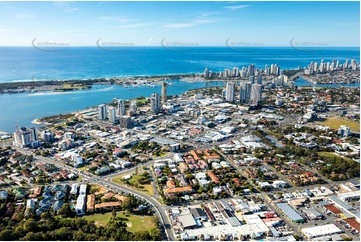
180,23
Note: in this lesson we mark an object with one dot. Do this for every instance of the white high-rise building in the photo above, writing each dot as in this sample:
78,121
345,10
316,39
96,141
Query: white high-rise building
245,92
133,106
256,94
112,115
206,73
225,73
251,70
315,67
230,91
155,102
235,71
121,107
259,80
102,111
48,136
327,66
251,79
26,137
272,69
353,65
276,70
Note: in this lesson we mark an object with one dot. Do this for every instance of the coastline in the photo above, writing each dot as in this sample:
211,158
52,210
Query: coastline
54,85
146,80
39,122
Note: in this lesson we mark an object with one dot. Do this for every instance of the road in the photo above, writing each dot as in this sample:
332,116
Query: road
263,195
296,227
116,187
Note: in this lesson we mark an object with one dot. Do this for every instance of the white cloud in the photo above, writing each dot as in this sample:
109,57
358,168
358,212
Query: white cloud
66,7
134,25
119,19
193,23
124,22
206,14
237,7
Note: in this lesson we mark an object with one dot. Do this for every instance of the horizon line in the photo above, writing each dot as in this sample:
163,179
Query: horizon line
185,46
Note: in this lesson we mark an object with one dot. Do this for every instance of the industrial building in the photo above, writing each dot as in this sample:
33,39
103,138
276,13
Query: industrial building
222,232
312,213
323,230
290,213
350,196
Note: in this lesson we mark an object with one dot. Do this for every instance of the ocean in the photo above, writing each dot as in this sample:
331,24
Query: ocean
26,64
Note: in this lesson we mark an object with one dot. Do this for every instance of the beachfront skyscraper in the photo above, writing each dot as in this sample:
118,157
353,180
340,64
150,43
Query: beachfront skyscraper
102,112
245,92
206,73
155,102
121,107
251,79
259,80
251,70
230,92
256,94
164,92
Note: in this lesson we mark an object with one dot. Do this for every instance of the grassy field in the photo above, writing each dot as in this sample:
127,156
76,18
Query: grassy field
331,154
84,168
135,223
142,101
160,155
145,188
335,123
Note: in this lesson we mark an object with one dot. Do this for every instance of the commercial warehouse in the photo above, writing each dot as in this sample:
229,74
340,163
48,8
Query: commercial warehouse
312,213
290,213
318,231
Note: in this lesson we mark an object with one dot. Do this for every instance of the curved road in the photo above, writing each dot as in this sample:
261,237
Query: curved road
102,180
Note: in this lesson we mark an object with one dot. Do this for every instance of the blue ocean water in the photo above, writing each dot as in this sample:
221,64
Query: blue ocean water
25,107
26,63
301,82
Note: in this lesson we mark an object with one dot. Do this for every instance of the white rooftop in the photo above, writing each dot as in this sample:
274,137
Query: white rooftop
317,231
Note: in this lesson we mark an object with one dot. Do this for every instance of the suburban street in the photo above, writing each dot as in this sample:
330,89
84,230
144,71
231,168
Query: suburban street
117,188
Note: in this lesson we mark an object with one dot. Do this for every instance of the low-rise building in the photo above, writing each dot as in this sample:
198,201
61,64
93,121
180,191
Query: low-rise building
323,230
290,213
80,205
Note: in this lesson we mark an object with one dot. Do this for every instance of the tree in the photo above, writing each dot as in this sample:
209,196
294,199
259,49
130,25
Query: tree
142,236
6,234
114,214
31,236
66,211
30,225
64,233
